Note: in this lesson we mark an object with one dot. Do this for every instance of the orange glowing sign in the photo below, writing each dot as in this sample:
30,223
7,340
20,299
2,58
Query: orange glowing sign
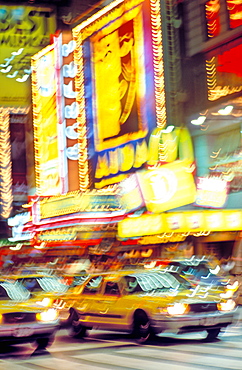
224,76
212,8
235,13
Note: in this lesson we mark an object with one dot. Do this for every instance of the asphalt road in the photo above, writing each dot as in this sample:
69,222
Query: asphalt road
106,350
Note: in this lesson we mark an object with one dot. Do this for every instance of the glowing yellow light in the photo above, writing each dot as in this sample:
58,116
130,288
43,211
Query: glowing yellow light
6,195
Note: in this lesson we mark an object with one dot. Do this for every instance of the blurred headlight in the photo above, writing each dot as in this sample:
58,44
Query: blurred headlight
230,290
49,315
46,302
227,294
176,309
229,305
234,287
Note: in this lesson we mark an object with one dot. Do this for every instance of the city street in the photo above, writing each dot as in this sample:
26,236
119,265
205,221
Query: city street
106,350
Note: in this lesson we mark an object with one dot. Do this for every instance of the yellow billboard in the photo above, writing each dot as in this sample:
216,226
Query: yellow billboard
188,222
24,30
167,187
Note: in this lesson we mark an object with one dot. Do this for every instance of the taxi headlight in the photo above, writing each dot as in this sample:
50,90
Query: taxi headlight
233,287
228,294
230,290
228,305
176,309
49,315
46,302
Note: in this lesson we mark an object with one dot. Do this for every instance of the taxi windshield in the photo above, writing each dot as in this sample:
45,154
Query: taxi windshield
47,284
13,291
153,281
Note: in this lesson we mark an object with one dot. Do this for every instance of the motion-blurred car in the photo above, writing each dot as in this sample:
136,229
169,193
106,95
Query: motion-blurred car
143,303
22,320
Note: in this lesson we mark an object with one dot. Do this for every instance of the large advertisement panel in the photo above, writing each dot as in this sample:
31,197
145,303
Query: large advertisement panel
120,89
24,30
45,119
169,186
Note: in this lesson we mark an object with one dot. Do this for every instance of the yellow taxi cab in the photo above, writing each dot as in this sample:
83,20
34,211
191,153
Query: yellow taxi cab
144,303
22,319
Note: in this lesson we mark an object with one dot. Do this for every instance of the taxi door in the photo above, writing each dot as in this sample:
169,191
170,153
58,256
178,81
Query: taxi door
109,308
85,302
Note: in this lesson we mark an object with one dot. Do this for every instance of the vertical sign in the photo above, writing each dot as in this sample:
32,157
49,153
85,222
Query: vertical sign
5,165
18,124
45,119
70,111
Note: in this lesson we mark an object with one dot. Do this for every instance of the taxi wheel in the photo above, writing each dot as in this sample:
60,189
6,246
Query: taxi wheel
142,329
44,342
76,329
212,333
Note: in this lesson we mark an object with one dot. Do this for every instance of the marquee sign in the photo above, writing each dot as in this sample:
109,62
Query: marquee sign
188,222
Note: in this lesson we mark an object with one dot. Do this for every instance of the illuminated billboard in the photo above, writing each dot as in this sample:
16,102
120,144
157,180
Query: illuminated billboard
24,30
169,186
45,120
120,89
165,225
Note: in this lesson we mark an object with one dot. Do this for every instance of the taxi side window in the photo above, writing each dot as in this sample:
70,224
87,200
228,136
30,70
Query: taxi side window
31,284
112,288
93,285
132,285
